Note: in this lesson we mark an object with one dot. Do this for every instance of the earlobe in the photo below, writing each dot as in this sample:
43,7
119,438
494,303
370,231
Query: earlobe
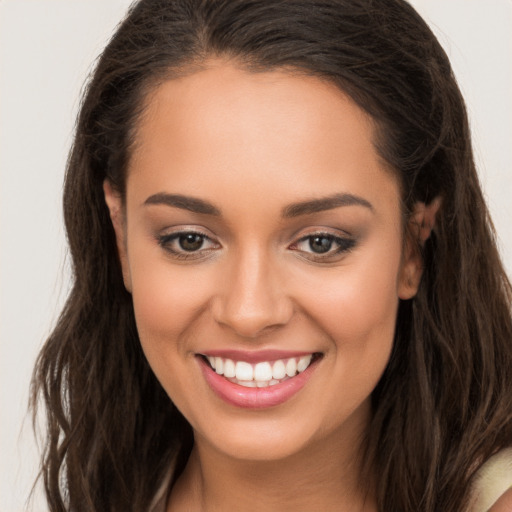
410,271
420,227
115,206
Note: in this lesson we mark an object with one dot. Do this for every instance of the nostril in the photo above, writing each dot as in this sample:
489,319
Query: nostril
251,297
250,322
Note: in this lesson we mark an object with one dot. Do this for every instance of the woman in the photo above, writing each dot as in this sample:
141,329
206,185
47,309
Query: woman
287,292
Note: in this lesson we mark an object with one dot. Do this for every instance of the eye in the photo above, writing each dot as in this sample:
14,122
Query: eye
191,241
187,244
323,246
320,243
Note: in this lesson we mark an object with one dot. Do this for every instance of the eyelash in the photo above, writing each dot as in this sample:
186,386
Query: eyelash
345,245
166,242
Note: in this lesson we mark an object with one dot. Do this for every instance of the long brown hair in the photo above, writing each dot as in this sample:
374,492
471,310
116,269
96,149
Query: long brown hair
443,405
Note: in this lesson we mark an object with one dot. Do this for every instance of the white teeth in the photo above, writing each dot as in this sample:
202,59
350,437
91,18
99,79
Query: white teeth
303,363
291,367
263,371
278,370
262,374
243,371
229,369
219,365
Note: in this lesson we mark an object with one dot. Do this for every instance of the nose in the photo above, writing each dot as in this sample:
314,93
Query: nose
252,299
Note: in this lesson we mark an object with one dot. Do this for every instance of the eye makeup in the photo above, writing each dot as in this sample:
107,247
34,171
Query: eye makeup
193,244
187,244
323,246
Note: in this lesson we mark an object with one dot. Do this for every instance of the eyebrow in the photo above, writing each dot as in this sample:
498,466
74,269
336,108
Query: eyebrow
191,204
323,204
309,207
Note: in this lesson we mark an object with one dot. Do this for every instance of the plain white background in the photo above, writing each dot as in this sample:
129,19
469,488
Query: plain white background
47,48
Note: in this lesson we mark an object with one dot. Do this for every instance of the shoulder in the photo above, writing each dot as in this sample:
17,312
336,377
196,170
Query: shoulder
492,488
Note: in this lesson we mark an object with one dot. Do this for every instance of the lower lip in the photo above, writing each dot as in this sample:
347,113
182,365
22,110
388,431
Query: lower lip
255,398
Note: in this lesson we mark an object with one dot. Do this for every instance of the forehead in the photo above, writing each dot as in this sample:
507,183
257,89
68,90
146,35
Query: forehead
224,127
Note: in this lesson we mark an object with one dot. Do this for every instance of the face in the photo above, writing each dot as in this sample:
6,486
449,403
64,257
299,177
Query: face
262,243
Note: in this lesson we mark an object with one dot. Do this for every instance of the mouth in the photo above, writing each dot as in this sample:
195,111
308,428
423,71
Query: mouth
262,374
257,384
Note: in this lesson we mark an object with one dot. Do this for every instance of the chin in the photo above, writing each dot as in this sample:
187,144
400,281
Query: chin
261,446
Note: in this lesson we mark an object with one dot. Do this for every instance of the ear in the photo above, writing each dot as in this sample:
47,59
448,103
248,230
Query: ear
419,229
115,207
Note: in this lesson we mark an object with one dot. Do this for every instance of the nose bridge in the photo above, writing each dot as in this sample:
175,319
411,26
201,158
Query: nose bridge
252,298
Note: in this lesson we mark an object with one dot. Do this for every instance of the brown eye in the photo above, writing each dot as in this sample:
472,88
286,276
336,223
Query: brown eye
323,247
187,245
191,242
320,244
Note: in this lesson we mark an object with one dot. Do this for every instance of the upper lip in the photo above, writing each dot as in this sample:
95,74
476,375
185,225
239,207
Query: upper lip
253,356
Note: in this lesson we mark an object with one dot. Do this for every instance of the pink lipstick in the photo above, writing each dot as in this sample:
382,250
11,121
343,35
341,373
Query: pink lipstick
257,380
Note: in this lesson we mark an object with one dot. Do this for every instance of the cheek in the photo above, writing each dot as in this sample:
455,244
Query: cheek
167,300
357,303
357,309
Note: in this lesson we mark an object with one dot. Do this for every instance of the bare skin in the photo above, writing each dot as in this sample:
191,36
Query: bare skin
504,504
263,485
270,270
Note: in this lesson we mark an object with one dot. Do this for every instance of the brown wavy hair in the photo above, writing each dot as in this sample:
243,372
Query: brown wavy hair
443,404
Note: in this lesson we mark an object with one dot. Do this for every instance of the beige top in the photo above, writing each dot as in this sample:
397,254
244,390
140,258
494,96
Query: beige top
494,478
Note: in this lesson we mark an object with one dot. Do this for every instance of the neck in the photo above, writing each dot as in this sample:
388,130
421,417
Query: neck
324,476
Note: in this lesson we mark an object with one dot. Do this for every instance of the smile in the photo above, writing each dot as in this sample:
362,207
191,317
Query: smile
262,374
258,384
